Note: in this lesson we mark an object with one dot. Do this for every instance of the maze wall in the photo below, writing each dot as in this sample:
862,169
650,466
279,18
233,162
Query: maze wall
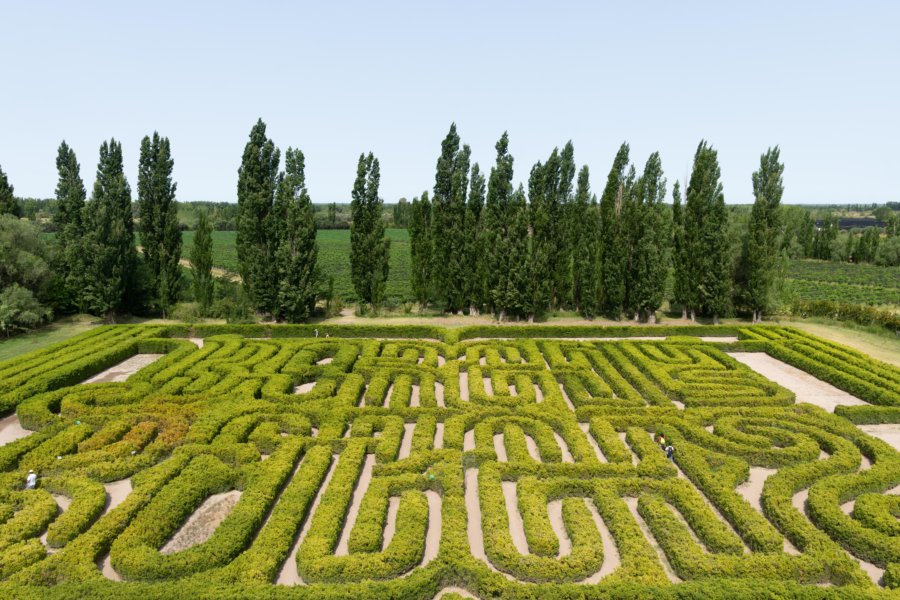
339,467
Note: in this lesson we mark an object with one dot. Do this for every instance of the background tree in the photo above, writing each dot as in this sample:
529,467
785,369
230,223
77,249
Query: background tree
542,249
681,289
585,232
476,289
448,222
369,248
706,236
612,251
332,213
297,253
502,224
70,221
652,235
564,247
158,212
760,256
420,248
8,203
256,242
201,264
111,252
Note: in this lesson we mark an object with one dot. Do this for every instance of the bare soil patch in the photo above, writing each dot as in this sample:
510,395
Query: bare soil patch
805,387
125,369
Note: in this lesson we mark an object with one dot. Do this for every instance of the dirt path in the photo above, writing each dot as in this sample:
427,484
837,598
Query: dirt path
362,486
611,558
586,428
289,574
806,387
125,369
11,429
116,492
203,523
751,489
406,442
555,514
632,504
890,433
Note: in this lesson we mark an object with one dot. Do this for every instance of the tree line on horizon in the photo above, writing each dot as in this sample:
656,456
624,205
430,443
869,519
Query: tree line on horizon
479,244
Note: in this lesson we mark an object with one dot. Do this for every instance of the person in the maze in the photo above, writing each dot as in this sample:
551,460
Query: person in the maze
31,480
670,452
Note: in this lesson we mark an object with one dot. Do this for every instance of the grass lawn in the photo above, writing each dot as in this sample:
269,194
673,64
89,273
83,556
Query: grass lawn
55,332
334,259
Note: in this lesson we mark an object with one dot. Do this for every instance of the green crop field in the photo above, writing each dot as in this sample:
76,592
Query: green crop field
261,461
334,259
843,282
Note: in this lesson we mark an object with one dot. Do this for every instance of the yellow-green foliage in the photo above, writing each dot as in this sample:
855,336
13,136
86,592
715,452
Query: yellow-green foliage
534,417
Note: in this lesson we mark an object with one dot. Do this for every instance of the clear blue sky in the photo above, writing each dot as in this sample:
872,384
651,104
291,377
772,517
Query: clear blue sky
821,79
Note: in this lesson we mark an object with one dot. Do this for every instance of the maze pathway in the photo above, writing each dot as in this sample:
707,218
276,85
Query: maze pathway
444,465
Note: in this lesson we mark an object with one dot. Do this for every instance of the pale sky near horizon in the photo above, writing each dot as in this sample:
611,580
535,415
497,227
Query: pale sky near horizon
820,79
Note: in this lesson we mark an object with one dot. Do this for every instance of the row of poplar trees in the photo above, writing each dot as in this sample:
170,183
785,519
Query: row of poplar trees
479,244
276,230
99,268
276,233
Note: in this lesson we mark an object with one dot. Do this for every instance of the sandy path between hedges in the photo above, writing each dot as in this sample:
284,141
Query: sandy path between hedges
125,369
586,428
289,574
611,558
406,442
203,522
632,504
889,433
806,387
438,436
11,429
362,486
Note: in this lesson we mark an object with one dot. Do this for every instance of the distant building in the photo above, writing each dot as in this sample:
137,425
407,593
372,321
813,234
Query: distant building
854,223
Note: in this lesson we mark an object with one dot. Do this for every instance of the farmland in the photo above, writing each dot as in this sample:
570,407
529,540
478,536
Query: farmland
334,259
843,282
410,462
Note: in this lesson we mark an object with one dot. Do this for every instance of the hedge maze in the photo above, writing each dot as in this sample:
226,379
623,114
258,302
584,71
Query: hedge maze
420,462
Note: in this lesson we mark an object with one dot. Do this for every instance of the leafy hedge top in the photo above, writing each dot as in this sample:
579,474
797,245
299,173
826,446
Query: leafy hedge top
548,414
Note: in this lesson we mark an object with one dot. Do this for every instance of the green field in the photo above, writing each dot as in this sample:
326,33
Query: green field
843,282
403,462
334,259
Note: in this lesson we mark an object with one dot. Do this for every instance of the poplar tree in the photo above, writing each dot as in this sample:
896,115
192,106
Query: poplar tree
542,254
420,248
70,222
201,264
110,239
706,241
8,203
158,212
519,270
476,266
612,250
681,283
296,254
256,242
652,235
503,223
565,243
369,248
585,233
448,222
760,253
